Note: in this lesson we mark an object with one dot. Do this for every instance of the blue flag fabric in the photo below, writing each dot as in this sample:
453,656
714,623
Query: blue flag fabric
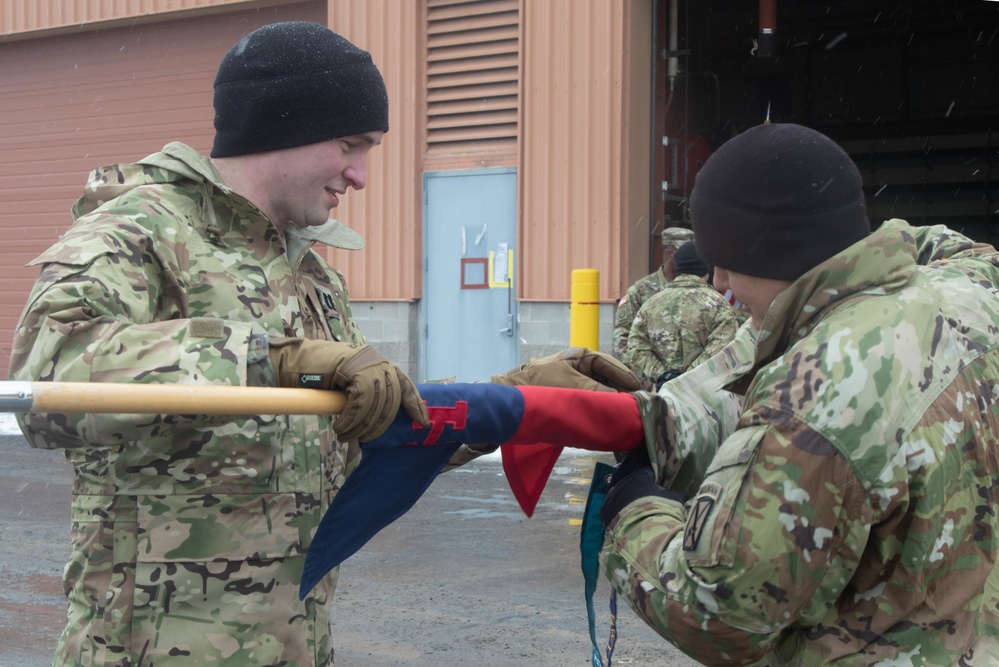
398,466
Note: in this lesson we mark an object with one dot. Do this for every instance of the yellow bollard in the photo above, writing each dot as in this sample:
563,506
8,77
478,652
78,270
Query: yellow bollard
584,312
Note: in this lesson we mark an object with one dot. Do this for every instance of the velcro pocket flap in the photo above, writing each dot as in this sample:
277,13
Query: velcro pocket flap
713,519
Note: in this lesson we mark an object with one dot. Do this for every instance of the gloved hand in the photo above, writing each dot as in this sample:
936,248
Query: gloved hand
665,377
573,368
639,483
375,387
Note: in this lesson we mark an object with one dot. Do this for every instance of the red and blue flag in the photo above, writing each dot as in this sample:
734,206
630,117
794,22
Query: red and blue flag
531,425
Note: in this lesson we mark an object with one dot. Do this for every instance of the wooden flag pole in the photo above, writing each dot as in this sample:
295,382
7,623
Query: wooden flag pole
116,398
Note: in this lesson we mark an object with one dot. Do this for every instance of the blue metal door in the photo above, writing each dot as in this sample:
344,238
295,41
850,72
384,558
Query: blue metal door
469,306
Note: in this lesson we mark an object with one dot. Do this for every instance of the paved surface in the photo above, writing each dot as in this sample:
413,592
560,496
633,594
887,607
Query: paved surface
463,579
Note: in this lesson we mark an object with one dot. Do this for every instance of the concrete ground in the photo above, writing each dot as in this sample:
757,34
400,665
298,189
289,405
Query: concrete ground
464,578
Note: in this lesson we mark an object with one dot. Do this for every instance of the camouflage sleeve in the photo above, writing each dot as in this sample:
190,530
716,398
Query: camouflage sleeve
767,542
623,317
936,242
640,355
724,323
701,413
114,320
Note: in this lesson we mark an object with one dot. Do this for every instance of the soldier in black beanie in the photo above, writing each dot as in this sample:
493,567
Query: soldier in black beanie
687,263
291,84
215,281
282,93
823,488
777,200
772,203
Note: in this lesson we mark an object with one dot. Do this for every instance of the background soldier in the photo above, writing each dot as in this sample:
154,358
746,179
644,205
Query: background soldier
635,296
683,325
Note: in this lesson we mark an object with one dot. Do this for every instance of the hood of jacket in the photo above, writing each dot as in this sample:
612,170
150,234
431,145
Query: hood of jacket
178,163
882,263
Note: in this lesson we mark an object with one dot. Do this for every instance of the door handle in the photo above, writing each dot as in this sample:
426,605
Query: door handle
508,329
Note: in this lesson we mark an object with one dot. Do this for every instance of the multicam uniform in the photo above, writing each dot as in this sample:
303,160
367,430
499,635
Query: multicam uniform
629,305
680,327
849,516
188,532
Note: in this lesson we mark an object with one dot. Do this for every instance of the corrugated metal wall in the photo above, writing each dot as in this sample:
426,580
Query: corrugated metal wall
78,100
388,212
577,181
21,16
584,153
581,198
641,141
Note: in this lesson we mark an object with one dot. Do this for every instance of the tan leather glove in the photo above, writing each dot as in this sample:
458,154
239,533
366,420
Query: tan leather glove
375,387
573,368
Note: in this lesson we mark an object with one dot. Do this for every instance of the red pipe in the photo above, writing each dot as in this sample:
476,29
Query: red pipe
767,45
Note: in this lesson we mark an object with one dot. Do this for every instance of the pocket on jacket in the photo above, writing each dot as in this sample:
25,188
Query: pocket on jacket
216,581
713,520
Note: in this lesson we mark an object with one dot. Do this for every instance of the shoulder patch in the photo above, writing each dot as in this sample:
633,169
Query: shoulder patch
328,302
700,510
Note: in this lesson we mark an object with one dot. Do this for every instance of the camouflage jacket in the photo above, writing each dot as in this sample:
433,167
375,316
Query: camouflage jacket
188,533
683,325
629,304
844,510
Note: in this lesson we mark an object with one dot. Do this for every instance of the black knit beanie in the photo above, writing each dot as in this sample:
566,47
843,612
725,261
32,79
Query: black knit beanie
687,263
291,84
776,201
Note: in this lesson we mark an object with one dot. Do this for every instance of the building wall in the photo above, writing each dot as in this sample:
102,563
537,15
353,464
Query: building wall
582,146
544,328
99,94
20,18
392,328
388,211
581,200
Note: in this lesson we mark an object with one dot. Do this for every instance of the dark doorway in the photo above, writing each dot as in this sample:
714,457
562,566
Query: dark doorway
909,88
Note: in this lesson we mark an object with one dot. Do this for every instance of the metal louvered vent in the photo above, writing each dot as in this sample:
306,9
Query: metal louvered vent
473,76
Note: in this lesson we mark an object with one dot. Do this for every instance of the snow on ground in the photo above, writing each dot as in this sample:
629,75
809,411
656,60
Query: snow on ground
8,426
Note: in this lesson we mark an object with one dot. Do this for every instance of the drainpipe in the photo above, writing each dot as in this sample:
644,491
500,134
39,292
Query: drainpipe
767,45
